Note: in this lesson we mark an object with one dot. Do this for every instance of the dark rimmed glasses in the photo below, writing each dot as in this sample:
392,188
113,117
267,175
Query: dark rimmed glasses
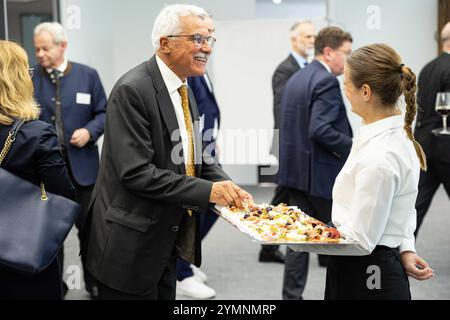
198,39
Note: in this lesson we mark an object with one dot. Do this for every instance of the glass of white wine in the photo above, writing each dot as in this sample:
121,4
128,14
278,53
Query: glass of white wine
443,108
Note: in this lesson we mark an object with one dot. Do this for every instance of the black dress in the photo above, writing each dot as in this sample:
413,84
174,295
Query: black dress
378,276
35,156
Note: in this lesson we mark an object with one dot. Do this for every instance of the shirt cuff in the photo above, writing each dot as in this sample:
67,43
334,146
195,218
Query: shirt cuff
408,245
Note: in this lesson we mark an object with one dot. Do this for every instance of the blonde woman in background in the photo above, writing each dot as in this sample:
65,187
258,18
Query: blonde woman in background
34,156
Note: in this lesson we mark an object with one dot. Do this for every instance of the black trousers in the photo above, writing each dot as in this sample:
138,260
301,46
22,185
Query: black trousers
296,263
165,289
281,196
83,197
438,173
46,285
378,276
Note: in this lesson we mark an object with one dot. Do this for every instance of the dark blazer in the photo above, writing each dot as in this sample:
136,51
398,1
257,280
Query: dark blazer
315,134
207,108
35,156
206,101
138,207
282,74
434,78
78,78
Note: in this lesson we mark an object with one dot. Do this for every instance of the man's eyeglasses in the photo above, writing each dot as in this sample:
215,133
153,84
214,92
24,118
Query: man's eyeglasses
31,71
198,39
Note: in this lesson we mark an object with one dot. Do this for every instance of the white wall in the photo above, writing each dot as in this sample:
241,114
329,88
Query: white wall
91,35
290,9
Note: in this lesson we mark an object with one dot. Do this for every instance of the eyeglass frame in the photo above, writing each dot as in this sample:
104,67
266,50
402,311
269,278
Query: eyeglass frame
210,40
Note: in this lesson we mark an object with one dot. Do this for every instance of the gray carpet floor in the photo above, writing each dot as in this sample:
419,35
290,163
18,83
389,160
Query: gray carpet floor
230,261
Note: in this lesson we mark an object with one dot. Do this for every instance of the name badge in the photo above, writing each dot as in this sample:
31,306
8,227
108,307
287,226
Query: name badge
83,98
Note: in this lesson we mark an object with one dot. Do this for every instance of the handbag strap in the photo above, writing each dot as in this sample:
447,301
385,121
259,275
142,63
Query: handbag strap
8,144
10,139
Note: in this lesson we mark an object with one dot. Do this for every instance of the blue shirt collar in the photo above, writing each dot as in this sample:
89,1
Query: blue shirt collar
300,60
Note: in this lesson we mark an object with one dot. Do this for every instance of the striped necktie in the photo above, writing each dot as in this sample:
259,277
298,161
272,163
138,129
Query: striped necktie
190,166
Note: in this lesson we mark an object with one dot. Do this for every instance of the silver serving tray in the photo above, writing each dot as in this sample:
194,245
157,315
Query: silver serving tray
345,248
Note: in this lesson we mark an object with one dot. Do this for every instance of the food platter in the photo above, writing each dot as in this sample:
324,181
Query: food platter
283,225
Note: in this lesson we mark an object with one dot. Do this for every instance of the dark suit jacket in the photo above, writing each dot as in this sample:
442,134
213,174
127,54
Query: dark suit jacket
35,157
316,136
434,78
207,107
78,78
138,212
282,74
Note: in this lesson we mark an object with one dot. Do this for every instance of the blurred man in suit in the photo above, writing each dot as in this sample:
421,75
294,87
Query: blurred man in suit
315,140
434,78
154,177
72,99
303,34
191,280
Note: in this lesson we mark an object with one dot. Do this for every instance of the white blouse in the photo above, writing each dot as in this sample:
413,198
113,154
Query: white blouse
375,193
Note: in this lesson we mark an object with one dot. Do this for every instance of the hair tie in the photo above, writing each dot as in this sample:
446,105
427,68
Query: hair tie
401,68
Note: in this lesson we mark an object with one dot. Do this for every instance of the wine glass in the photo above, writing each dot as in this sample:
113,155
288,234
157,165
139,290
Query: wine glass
443,108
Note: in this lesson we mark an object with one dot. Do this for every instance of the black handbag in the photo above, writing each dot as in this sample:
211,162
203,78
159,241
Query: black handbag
33,222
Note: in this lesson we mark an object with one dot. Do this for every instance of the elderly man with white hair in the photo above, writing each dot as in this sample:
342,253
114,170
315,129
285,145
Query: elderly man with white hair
72,99
155,178
434,78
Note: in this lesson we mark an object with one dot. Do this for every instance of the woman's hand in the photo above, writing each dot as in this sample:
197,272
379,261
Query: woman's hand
416,267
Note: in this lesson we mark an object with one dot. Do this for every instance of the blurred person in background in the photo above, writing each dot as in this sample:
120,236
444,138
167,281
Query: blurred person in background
72,99
302,36
315,140
434,78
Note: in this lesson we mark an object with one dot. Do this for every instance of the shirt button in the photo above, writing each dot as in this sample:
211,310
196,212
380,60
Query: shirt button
175,228
53,99
53,118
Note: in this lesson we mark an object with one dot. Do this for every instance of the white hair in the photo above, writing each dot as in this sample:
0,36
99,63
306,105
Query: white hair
54,29
168,21
296,28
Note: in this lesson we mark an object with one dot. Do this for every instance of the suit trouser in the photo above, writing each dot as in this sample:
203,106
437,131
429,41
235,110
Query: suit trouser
165,289
296,263
207,220
438,173
46,285
281,196
83,197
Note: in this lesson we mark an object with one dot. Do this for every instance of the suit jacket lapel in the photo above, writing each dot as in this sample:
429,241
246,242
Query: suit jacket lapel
165,105
294,62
